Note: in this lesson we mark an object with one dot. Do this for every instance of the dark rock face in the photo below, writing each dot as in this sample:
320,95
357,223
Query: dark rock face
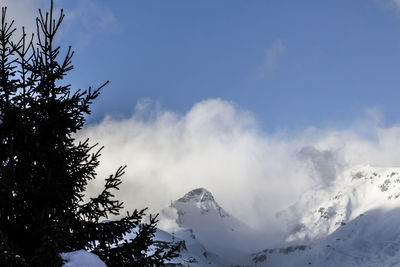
197,195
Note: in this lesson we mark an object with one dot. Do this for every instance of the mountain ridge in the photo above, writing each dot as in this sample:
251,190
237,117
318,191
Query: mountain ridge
353,221
350,223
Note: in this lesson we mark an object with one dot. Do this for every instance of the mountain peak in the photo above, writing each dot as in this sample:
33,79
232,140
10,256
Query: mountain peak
197,195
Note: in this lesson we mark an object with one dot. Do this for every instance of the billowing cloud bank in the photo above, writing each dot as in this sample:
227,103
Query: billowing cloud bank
218,146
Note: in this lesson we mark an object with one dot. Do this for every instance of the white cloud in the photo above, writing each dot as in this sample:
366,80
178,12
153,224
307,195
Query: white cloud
88,20
219,146
271,57
325,164
390,4
396,4
375,115
215,145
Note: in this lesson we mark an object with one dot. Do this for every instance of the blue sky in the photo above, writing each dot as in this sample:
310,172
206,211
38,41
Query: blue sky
292,63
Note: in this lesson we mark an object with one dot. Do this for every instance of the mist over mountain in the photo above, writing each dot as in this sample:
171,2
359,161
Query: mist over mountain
219,232
286,197
219,146
353,222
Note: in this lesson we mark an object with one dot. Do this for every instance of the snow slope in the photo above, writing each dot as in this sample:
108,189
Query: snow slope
353,222
82,258
208,235
209,224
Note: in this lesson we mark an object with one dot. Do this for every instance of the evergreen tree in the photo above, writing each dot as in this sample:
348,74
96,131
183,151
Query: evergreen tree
44,171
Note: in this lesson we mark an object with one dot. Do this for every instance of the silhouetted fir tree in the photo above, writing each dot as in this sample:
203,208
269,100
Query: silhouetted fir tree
44,171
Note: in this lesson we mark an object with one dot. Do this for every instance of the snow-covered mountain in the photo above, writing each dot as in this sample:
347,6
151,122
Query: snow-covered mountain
198,218
353,222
